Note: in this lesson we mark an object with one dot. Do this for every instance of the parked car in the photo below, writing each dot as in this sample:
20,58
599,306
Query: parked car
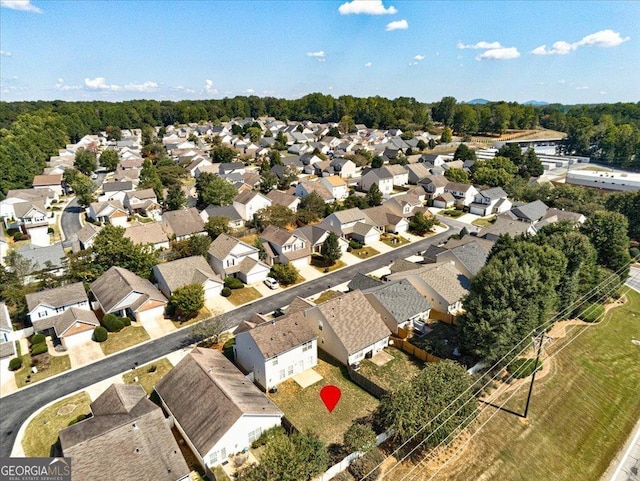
271,283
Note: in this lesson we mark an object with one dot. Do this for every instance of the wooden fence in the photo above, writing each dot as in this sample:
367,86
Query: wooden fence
366,383
421,354
444,317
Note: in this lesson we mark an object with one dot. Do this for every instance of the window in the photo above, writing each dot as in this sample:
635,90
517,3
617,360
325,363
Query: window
306,346
254,435
274,362
320,325
290,370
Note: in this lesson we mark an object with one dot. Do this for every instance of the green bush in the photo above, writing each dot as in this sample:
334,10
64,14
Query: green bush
634,252
15,364
39,348
522,367
268,435
233,283
354,244
592,313
100,334
50,230
112,323
125,321
360,467
226,292
38,339
359,437
285,274
18,236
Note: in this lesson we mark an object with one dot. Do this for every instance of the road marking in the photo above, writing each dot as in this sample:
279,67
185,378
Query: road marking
626,455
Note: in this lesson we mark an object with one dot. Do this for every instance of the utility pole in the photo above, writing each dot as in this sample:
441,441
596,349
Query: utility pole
541,339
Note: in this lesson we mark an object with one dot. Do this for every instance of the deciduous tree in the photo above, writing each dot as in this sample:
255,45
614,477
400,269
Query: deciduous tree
186,301
213,189
109,159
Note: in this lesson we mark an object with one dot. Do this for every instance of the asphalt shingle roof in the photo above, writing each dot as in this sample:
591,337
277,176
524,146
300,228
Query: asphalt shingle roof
282,334
400,298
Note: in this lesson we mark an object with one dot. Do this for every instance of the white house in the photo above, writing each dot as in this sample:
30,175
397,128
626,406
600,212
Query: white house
463,193
111,212
336,185
348,328
399,174
249,202
490,201
284,247
380,177
218,412
7,346
188,270
50,181
352,223
115,191
274,351
230,257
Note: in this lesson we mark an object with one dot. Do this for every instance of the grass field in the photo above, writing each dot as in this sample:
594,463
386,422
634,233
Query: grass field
581,414
42,431
484,222
326,296
402,367
244,295
148,375
320,265
304,408
129,336
393,240
50,366
365,252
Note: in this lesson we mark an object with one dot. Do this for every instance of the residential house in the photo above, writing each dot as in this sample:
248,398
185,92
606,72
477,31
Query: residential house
417,172
315,237
433,185
43,197
228,256
434,160
505,224
490,201
284,199
182,224
306,187
463,193
87,235
284,247
51,181
387,221
558,215
348,328
399,174
150,233
353,224
110,212
362,282
468,258
232,168
381,177
336,185
277,350
228,211
442,284
50,259
197,164
7,345
530,213
32,219
123,293
344,168
143,202
445,200
188,270
400,305
127,435
115,191
215,408
250,202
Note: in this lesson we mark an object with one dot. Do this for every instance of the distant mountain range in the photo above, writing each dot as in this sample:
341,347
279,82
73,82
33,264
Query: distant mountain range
535,103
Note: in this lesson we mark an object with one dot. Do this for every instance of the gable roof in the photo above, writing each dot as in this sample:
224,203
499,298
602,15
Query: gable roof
505,224
88,231
39,256
142,194
188,270
117,186
362,281
51,179
222,246
207,394
471,255
282,334
57,297
117,283
403,265
442,277
400,299
281,198
298,304
149,233
354,321
247,196
127,435
311,233
531,212
223,211
494,193
184,222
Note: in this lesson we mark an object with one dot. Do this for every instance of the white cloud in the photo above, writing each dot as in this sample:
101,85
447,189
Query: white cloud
505,53
602,92
321,59
143,87
366,7
604,38
368,64
480,45
208,87
5,53
318,54
397,25
24,5
413,64
182,88
248,91
582,87
99,83
418,57
61,86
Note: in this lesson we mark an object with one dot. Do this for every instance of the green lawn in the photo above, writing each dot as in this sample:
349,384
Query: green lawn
47,366
319,263
452,213
129,336
581,414
42,431
148,375
365,252
484,222
304,408
393,240
326,296
244,295
402,367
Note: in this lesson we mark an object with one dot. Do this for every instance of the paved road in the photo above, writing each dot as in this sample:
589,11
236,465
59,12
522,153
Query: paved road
634,279
627,468
17,407
70,222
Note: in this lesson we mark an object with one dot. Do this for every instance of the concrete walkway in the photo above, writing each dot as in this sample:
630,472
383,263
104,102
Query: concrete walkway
7,378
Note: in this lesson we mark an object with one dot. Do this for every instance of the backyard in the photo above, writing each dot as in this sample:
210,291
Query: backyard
148,375
304,408
581,413
402,367
243,295
441,340
127,337
42,432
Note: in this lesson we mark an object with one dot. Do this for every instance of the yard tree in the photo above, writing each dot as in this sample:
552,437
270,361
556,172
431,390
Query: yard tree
432,144
113,132
377,162
607,232
511,151
444,110
82,186
374,196
463,152
354,200
176,199
262,253
446,136
346,124
275,158
285,274
457,175
222,154
268,181
422,145
196,245
149,179
415,407
217,225
85,161
331,249
109,159
214,190
359,437
276,215
186,301
255,133
311,208
492,177
420,224
111,248
288,176
209,329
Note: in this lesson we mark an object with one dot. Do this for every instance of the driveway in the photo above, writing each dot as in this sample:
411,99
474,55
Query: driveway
158,327
70,222
7,379
84,354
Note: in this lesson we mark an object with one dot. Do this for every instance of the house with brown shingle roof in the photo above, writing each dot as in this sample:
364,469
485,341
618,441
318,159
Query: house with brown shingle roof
276,350
50,181
188,270
284,247
284,199
150,233
127,438
182,224
111,212
229,256
348,328
218,411
249,202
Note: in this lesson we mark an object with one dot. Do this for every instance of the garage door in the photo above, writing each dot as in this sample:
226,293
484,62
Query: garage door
154,313
78,338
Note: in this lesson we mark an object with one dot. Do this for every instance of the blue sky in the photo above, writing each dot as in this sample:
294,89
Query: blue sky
566,51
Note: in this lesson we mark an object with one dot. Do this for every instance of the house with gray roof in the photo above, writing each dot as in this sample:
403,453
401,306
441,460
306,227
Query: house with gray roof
400,305
277,350
490,201
110,212
416,172
468,258
7,345
352,223
188,270
558,215
51,259
506,224
218,411
115,190
530,213
285,247
433,185
387,221
315,237
229,256
182,224
228,211
249,202
123,293
284,199
463,193
381,177
88,234
348,328
126,437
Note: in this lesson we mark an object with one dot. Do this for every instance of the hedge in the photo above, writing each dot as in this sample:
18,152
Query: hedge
125,321
39,348
100,334
522,367
226,292
112,323
360,467
233,283
15,364
38,339
592,313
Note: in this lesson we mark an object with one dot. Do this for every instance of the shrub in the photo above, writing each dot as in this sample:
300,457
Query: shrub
284,274
125,321
38,339
354,244
15,364
359,438
100,334
112,323
18,236
50,230
226,292
152,368
233,283
634,252
268,435
370,461
39,348
522,367
592,312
